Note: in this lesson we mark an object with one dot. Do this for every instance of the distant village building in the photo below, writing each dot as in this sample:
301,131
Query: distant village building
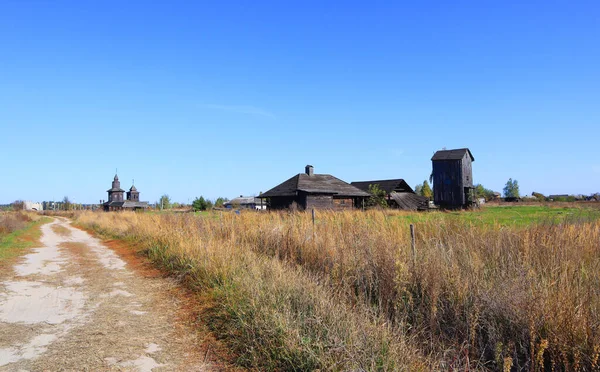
32,206
309,190
453,178
115,198
246,202
594,197
398,194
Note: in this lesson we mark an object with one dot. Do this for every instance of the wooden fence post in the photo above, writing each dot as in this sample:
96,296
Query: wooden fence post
313,217
413,245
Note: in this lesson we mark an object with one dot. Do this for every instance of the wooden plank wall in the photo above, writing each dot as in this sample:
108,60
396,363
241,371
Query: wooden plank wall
467,171
319,202
448,183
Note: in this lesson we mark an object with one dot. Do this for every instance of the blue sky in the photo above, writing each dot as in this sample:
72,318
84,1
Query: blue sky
228,98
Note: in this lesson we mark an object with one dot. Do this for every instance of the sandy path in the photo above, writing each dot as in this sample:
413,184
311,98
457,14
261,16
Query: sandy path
73,305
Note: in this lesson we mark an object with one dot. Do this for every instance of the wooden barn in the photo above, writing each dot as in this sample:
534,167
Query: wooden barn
398,193
309,190
453,178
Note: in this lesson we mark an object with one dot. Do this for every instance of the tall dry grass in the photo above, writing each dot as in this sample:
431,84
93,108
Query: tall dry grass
13,221
348,294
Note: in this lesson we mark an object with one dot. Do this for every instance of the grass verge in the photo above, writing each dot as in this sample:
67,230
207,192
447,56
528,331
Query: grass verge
27,236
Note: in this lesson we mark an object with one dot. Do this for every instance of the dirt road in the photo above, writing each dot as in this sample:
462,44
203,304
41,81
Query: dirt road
74,305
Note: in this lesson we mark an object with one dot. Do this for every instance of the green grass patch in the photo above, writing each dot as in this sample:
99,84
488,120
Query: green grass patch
510,215
12,244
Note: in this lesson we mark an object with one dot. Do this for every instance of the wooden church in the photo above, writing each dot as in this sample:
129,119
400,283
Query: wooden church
115,198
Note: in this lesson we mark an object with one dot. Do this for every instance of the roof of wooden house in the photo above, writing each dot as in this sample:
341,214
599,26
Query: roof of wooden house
242,200
127,204
314,184
388,186
410,201
455,154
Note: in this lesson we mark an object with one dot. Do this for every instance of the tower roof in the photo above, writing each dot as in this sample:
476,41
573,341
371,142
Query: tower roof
133,188
455,154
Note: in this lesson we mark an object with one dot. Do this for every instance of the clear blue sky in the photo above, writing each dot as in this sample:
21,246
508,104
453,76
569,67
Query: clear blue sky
228,98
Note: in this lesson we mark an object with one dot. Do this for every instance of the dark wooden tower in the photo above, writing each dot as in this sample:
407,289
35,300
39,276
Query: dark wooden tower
453,178
133,194
115,193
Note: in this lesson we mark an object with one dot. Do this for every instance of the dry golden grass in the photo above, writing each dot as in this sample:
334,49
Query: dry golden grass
13,221
347,294
61,230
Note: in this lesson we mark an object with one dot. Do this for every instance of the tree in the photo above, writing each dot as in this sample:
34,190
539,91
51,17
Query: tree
511,190
201,204
538,196
377,198
164,202
220,201
426,190
18,205
482,192
419,189
66,203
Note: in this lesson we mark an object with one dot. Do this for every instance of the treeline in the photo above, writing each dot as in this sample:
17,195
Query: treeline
198,204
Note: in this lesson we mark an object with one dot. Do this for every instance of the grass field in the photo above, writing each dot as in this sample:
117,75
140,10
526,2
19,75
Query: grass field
19,231
502,288
513,215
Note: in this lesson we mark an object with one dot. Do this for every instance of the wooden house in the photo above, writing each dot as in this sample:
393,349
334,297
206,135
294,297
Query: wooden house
398,194
453,178
309,190
246,202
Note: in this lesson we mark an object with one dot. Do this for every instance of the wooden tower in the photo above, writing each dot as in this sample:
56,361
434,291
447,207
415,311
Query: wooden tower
453,178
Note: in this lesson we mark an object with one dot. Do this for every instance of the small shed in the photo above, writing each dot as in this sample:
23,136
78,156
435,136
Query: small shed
309,190
453,178
398,193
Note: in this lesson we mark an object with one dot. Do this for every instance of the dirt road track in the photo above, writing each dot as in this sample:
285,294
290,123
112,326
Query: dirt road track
74,305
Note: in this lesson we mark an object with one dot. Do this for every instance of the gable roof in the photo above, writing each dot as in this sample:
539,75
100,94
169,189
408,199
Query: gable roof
243,200
388,186
410,201
455,154
315,184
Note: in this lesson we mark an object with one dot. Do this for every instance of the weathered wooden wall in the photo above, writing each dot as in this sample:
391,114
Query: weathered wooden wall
467,171
283,202
319,201
309,201
343,203
448,186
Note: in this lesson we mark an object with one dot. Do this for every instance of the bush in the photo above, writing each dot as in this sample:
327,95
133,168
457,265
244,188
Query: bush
201,204
377,198
13,221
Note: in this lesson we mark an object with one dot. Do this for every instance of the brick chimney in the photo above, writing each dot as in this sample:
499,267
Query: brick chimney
310,170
